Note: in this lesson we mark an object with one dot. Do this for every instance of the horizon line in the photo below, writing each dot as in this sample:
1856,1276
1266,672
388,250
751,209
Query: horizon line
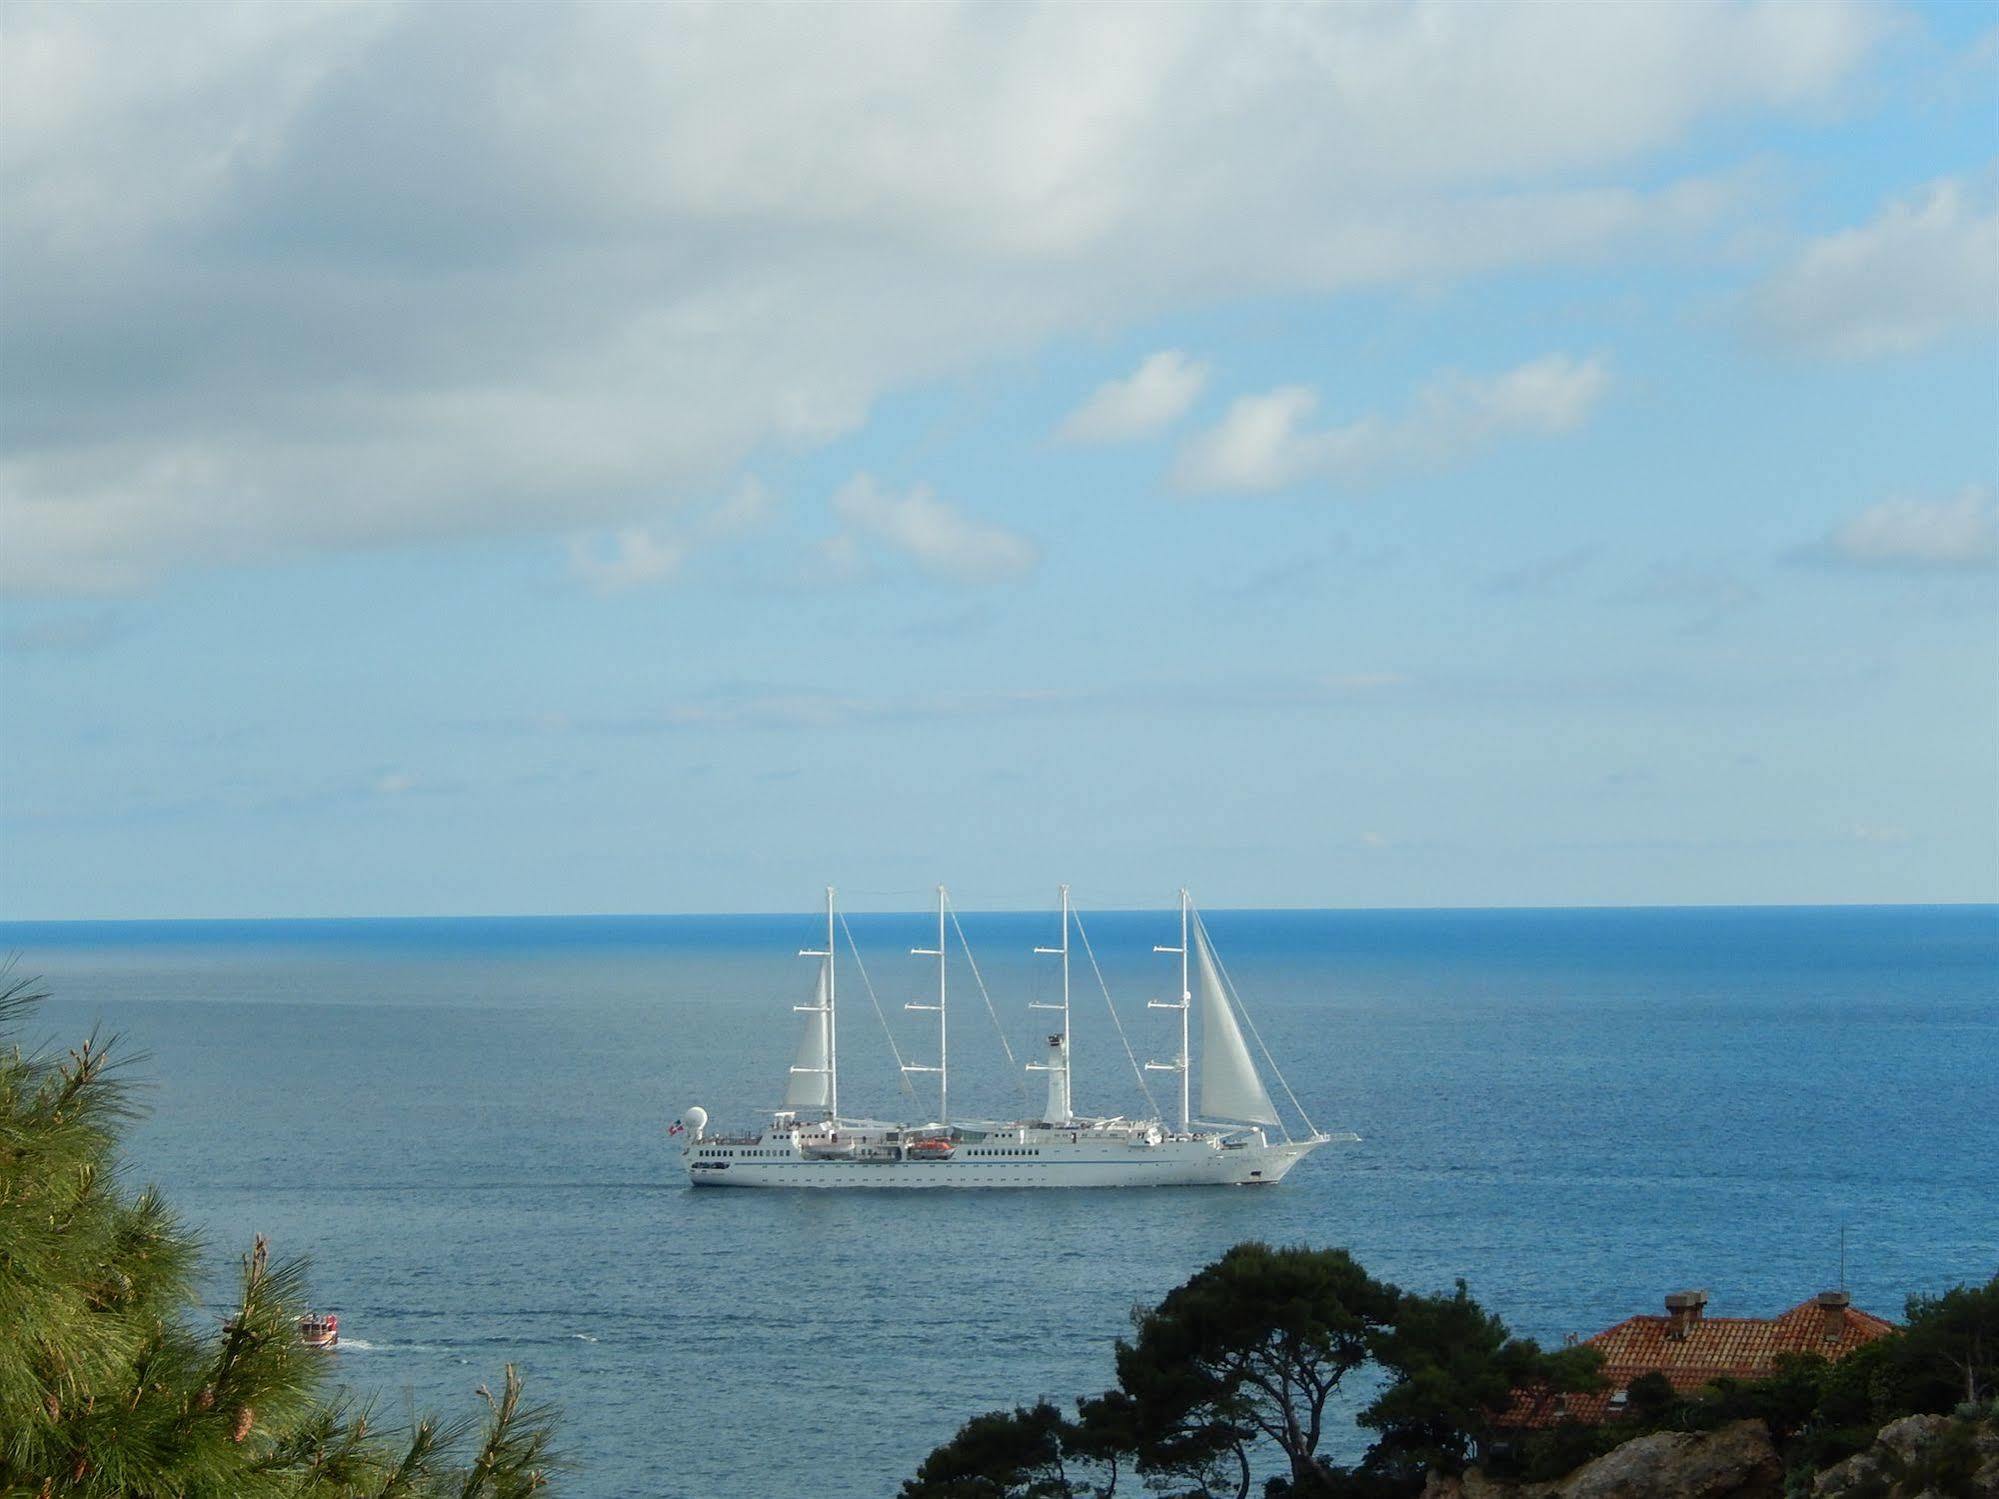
1008,910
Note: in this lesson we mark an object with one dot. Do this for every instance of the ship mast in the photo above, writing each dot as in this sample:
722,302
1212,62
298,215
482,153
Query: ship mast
1185,1005
832,1015
1061,1043
830,1010
943,1067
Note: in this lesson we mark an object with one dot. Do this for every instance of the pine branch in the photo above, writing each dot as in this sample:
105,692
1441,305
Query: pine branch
107,1388
421,1467
515,1458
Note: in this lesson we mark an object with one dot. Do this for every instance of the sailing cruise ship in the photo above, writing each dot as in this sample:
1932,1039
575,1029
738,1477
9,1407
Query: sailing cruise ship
1236,1138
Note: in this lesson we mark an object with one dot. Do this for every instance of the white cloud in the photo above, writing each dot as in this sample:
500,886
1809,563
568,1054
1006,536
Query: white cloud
1919,534
1156,395
285,279
1257,445
635,556
748,507
936,536
1925,269
1551,394
1263,442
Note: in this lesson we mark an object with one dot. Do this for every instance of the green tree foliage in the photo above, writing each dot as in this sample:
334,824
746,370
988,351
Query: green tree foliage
1033,1453
1246,1353
1233,1374
1452,1365
1950,1347
110,1384
1018,1454
1651,1396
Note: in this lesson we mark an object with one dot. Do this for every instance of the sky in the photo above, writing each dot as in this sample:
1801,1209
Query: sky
627,459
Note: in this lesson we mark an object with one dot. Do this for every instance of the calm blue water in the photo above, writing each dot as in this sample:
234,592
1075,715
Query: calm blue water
462,1121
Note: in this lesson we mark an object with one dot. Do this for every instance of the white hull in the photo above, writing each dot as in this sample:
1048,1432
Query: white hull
1200,1162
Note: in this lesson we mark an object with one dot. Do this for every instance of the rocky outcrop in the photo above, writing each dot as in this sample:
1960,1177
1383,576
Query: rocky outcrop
1736,1462
1917,1457
1920,1457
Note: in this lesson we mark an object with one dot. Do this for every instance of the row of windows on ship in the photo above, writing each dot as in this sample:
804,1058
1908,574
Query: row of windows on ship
740,1154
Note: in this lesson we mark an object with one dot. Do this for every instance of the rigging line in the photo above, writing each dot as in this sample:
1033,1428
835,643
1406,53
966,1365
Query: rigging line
1019,1077
1111,1005
1243,1010
901,1077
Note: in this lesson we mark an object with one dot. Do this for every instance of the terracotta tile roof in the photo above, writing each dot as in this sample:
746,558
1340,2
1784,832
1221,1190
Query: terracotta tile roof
1742,1348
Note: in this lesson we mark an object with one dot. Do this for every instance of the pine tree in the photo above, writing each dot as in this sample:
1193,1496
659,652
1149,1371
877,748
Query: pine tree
110,1381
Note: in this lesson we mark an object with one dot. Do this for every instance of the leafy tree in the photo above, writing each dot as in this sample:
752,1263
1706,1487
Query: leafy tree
1950,1347
1248,1352
1859,1387
1452,1366
1236,1369
1550,1454
109,1385
1019,1454
1650,1397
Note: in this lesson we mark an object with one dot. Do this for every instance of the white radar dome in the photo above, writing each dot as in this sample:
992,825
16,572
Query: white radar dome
697,1120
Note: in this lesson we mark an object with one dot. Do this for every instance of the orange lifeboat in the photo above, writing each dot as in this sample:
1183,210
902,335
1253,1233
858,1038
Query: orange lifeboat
931,1150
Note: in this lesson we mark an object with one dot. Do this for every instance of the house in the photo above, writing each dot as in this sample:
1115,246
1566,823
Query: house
1693,1349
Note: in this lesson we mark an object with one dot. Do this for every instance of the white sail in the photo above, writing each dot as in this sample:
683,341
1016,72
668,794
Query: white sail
811,1085
1230,1088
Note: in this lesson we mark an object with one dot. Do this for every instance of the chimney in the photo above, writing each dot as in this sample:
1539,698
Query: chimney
1832,1314
1683,1310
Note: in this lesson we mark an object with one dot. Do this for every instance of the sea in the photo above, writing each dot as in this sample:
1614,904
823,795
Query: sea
464,1124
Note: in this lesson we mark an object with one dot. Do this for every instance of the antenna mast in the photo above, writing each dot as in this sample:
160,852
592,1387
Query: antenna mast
943,1067
1060,1102
1184,1006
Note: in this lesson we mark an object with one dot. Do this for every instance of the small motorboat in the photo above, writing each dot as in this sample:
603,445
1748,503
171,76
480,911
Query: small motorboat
319,1329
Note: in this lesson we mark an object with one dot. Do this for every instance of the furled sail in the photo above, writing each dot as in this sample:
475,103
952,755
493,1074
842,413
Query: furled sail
811,1085
1230,1088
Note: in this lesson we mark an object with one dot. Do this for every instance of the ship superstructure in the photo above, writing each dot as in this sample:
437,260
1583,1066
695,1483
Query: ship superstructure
1237,1137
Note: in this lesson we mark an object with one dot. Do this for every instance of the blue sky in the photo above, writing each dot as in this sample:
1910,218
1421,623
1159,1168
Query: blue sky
618,459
